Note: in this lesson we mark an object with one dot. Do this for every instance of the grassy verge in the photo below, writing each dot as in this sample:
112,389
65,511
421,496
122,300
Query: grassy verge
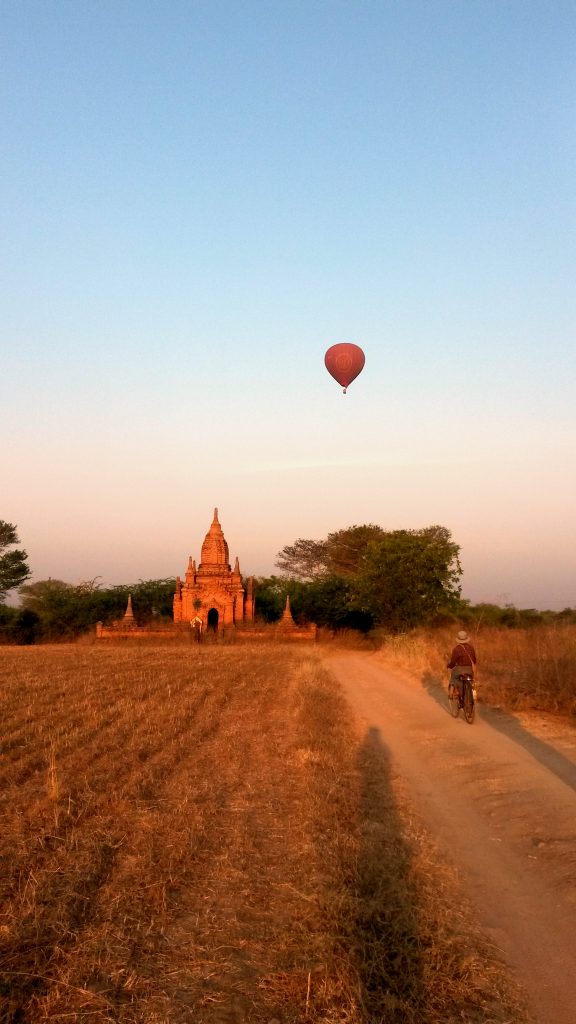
199,834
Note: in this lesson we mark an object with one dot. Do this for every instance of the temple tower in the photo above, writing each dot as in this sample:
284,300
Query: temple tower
213,592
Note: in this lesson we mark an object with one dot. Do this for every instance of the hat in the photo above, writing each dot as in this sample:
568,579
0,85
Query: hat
463,636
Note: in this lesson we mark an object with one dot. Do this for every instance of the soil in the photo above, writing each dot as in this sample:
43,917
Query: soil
499,797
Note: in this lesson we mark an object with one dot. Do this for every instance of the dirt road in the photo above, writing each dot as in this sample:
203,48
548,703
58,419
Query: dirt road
500,799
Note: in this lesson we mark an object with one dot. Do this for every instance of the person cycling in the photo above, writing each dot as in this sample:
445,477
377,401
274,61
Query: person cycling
463,659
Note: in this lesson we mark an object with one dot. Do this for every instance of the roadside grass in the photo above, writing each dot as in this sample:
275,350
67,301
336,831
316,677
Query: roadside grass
518,669
200,834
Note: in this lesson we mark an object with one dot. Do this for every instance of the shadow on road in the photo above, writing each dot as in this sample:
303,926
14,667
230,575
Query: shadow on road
541,751
386,940
437,690
509,726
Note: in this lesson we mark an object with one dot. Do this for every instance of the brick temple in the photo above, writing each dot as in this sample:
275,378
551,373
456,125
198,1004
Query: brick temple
211,599
213,592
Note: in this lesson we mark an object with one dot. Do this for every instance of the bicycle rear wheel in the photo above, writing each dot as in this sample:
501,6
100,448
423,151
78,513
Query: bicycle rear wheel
453,702
469,706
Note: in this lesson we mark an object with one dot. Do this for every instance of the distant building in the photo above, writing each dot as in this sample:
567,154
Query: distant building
214,592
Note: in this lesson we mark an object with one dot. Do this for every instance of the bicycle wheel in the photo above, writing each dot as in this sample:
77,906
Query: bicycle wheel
453,702
469,707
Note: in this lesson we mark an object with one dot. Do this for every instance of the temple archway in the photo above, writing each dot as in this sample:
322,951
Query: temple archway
212,620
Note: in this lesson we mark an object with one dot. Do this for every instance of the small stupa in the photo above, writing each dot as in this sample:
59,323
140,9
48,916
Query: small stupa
287,621
129,619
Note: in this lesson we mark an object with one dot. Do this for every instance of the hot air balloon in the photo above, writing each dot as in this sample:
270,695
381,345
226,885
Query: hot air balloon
344,362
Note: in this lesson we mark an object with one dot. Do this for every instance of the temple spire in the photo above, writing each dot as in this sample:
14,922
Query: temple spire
214,549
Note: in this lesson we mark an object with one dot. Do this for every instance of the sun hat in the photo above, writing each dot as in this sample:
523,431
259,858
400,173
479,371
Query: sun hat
463,636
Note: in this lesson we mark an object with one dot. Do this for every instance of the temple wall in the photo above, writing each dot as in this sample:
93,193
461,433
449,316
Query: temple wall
220,600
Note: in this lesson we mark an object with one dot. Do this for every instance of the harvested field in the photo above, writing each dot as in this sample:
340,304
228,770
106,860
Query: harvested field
200,835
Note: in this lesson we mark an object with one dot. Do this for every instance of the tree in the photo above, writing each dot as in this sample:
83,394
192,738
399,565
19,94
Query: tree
65,610
338,555
152,598
303,560
270,597
56,606
331,602
363,575
13,567
409,577
346,548
18,625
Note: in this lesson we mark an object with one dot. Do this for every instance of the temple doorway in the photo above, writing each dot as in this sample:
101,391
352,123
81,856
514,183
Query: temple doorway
212,620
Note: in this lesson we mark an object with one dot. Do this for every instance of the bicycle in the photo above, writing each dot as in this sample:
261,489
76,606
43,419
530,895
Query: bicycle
463,698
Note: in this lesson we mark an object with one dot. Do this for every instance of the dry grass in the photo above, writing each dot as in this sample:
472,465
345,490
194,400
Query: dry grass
198,834
518,669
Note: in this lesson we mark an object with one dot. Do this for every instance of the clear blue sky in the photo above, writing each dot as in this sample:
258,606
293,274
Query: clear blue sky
199,198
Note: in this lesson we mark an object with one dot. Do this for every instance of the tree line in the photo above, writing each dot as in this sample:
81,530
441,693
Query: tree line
364,576
356,578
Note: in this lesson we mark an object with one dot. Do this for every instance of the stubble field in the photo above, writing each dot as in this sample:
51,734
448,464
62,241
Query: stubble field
201,834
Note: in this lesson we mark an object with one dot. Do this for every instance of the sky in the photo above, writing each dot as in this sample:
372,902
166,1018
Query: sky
199,197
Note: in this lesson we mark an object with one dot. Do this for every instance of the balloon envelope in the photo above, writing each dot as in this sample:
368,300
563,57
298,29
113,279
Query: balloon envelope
344,362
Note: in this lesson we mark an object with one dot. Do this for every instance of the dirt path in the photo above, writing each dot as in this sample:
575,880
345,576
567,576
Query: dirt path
500,798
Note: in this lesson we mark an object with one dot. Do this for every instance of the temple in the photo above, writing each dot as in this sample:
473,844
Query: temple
210,601
213,593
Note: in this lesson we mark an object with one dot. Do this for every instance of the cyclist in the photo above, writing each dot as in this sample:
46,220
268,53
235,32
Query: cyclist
462,659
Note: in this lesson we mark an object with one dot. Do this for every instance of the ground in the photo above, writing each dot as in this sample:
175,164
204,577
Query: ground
499,798
248,835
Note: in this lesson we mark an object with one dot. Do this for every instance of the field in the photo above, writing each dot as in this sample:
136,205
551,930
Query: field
200,834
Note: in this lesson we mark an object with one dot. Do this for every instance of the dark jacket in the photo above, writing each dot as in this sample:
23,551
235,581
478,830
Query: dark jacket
463,654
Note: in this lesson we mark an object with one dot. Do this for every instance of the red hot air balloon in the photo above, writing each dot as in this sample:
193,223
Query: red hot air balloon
344,362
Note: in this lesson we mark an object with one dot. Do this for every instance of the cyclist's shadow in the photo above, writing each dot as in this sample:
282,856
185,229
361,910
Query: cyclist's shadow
510,726
437,690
